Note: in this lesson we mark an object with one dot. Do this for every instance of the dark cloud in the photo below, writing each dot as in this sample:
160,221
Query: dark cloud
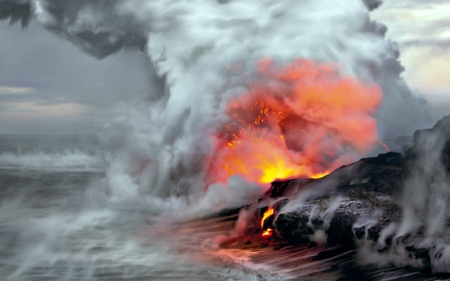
97,39
16,11
372,4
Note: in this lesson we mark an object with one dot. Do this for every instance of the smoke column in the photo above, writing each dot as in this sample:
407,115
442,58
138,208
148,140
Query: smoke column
159,148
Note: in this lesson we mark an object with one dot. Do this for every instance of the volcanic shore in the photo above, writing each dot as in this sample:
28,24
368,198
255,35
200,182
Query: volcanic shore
357,206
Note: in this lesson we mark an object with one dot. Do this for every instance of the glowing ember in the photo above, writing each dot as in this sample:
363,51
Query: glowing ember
304,120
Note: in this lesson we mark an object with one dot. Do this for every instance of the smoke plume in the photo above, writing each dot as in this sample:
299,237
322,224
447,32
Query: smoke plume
426,199
204,54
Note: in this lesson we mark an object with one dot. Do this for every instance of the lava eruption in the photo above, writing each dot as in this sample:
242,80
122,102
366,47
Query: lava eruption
300,120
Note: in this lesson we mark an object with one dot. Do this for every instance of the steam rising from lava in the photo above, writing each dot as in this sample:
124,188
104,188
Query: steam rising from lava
203,56
302,120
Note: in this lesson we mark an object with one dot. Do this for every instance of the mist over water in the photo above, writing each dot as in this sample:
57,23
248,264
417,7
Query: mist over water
50,152
53,227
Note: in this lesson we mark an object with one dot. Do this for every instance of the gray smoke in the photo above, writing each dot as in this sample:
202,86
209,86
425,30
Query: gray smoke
93,26
16,11
162,147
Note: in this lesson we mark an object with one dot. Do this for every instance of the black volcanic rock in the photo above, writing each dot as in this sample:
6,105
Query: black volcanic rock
364,187
369,192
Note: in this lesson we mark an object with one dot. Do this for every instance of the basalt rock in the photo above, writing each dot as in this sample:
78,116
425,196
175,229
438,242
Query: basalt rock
368,191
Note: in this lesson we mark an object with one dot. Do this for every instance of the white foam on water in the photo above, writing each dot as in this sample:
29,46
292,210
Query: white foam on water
108,243
65,160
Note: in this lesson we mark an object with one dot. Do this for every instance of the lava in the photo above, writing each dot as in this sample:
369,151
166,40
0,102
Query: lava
301,120
268,231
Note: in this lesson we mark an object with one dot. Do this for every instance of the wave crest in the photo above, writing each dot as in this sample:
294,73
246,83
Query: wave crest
67,159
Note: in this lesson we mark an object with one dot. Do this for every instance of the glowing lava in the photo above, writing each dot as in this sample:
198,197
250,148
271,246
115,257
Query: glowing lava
266,232
302,120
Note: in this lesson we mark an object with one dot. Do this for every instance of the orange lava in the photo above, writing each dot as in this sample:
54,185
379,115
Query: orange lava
267,214
301,120
266,232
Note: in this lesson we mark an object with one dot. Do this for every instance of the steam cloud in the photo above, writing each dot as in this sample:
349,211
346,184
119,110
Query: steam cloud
160,147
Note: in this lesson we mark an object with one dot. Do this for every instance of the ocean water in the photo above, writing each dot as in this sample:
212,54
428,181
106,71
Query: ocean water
54,226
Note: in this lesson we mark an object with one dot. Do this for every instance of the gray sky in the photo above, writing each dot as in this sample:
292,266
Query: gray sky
421,29
48,86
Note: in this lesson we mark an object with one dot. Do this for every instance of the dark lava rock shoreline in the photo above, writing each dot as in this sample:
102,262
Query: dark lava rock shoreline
363,201
363,188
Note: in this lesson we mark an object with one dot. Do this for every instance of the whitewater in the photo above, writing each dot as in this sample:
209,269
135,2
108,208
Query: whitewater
52,227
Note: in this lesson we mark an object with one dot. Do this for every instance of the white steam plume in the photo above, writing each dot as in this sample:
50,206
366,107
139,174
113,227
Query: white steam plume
161,147
426,200
421,238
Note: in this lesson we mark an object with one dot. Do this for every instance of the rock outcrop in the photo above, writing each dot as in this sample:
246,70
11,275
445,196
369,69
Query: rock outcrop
355,203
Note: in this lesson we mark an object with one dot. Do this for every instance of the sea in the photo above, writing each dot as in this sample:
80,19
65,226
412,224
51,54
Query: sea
54,225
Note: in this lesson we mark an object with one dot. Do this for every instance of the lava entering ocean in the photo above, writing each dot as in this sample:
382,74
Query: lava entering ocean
266,232
301,120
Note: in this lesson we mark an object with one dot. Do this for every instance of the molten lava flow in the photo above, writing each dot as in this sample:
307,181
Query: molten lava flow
267,214
302,120
266,232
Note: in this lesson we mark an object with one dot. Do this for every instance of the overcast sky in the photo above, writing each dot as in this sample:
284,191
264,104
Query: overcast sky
48,86
422,30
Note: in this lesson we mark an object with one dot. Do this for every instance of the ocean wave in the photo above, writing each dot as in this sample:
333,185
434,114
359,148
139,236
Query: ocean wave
67,159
